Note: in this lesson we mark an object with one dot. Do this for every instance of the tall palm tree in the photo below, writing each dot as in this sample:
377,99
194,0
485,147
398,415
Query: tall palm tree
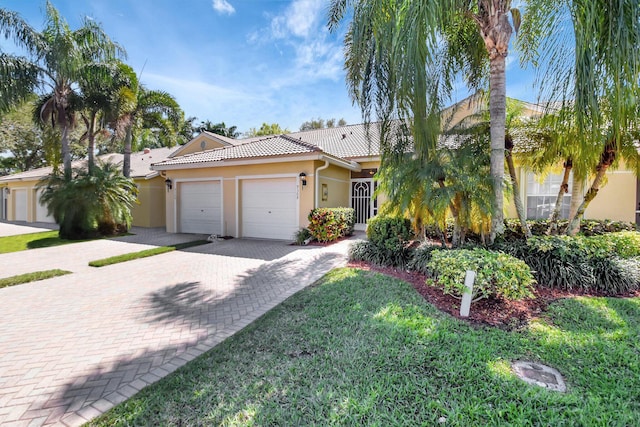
56,58
137,107
402,57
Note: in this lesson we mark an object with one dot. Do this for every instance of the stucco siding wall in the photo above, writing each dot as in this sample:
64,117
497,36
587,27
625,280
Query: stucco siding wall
337,181
150,209
617,200
232,177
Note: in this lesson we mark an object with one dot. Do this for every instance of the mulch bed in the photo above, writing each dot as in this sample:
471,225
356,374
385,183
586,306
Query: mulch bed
486,312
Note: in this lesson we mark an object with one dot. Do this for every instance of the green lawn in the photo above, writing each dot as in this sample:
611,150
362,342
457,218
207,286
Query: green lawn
144,253
23,242
31,277
361,348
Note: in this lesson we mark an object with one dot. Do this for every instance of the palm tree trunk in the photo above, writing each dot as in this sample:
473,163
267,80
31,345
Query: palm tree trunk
457,233
577,187
564,189
126,162
606,159
64,141
516,188
497,110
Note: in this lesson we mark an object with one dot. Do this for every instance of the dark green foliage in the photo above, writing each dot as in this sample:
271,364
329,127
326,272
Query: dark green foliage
301,236
389,231
606,264
88,205
390,239
422,256
497,274
329,224
538,227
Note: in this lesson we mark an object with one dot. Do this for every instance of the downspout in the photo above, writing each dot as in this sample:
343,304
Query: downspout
316,178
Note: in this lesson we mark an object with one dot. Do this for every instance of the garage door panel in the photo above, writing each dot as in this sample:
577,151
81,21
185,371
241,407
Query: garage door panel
200,207
20,210
41,210
270,208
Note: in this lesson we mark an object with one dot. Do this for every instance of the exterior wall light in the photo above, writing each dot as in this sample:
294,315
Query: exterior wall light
168,183
303,178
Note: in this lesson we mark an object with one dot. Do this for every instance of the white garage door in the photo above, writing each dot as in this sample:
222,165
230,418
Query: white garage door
200,207
270,208
41,210
20,197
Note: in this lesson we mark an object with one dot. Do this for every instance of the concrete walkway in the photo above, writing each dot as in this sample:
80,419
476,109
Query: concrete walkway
73,346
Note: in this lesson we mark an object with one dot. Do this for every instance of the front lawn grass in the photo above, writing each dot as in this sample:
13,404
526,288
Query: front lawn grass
144,253
361,348
31,277
22,242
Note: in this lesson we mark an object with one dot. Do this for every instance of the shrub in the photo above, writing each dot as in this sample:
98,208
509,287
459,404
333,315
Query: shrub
583,263
329,224
391,237
624,244
301,236
389,231
497,274
90,204
422,256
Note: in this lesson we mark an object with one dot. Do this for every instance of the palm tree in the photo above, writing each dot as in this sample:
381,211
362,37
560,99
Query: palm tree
220,129
57,58
138,108
598,81
96,202
402,57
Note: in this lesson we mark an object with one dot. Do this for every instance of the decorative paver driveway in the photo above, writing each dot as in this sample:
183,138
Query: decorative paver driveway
73,346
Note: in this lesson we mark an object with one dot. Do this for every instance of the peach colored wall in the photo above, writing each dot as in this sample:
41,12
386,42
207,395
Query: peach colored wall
337,181
231,195
194,145
150,213
616,200
150,209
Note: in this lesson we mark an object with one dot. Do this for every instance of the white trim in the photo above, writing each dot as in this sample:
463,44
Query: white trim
375,158
177,181
237,208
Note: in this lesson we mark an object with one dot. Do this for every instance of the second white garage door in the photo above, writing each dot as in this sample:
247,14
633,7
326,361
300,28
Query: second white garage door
41,210
201,207
270,208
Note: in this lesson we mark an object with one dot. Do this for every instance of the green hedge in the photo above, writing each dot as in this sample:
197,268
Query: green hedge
538,227
497,274
600,263
389,242
329,224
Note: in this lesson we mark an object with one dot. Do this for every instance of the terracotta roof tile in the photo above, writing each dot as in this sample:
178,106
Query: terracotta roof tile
272,146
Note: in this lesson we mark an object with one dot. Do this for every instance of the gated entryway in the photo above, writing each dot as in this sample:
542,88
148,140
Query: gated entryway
361,193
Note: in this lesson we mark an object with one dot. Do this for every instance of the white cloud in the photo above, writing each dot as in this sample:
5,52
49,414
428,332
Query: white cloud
300,19
223,7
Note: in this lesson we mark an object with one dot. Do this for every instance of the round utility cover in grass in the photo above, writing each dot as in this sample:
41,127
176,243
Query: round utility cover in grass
540,375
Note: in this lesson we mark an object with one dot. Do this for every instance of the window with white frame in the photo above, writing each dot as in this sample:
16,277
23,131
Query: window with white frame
541,196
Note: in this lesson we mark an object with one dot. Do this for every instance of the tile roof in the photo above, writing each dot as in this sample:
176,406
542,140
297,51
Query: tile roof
140,165
350,141
271,146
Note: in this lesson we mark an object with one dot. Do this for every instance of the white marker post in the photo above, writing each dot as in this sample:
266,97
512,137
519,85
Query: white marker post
465,307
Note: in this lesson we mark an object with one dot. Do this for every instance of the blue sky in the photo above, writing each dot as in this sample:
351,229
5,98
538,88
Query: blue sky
243,62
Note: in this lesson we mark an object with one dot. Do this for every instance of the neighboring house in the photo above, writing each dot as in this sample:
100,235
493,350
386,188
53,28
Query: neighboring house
20,197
